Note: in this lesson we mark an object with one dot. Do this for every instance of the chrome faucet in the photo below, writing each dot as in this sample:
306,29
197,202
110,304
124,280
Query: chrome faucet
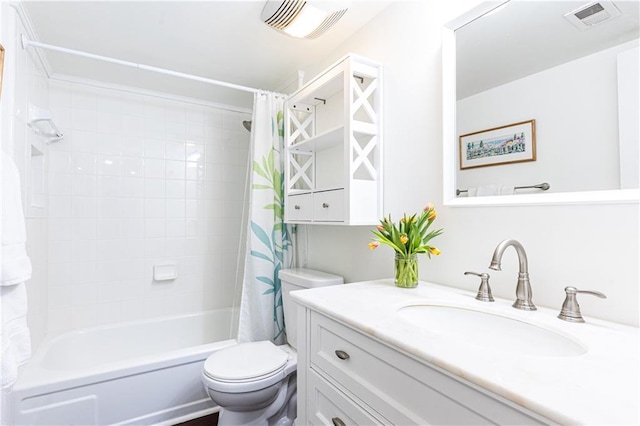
523,289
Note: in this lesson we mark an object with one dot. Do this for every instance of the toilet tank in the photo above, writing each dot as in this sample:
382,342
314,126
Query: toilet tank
300,279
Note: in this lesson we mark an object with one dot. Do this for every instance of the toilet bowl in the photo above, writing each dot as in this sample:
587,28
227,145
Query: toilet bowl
255,383
252,382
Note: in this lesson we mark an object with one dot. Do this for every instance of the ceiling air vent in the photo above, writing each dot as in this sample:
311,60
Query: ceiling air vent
327,23
303,18
282,14
592,14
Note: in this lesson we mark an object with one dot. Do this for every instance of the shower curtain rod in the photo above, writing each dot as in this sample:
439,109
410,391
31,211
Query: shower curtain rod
26,43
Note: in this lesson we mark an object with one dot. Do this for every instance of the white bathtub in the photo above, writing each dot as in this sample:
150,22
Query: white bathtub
138,373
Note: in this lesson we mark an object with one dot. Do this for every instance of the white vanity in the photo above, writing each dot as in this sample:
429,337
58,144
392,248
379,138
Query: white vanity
372,353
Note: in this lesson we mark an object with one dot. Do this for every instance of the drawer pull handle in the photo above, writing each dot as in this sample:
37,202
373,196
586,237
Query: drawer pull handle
337,421
342,354
296,207
325,205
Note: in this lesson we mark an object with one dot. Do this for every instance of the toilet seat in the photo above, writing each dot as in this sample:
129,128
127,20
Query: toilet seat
246,367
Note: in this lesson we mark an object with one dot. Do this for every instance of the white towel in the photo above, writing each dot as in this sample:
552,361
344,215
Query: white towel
507,190
16,339
486,190
15,268
491,189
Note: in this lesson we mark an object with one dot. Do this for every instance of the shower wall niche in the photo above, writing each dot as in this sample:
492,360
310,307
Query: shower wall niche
141,180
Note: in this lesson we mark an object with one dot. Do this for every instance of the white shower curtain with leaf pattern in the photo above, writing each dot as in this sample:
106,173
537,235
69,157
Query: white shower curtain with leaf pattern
268,238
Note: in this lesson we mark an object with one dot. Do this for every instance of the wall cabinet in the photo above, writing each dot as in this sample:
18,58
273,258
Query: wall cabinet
348,378
333,139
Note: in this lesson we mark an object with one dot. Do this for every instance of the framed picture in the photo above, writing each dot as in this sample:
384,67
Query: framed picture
513,143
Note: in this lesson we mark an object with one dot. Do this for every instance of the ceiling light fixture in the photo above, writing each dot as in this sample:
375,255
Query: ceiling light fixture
303,18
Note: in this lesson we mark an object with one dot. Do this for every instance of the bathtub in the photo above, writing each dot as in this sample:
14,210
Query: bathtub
138,373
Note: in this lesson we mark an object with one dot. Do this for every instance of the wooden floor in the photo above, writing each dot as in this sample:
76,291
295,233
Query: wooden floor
210,420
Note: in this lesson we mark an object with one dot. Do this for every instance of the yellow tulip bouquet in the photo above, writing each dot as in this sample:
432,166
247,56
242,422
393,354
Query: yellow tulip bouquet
408,238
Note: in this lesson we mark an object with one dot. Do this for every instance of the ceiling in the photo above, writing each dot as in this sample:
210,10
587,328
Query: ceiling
526,37
220,40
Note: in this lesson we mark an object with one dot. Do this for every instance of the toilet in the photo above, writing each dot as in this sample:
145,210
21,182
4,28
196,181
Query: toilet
255,383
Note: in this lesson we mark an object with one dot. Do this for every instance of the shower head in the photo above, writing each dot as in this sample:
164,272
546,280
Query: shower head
247,125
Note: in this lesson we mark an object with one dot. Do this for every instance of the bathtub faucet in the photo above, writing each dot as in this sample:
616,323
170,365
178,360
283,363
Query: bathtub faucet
523,289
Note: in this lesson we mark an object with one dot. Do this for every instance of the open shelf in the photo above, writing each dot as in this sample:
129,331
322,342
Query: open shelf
323,86
324,140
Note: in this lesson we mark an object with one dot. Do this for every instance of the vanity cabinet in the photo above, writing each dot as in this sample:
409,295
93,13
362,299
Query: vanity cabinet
333,142
348,378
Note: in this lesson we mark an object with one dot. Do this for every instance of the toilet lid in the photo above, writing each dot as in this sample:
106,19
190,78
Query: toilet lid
245,361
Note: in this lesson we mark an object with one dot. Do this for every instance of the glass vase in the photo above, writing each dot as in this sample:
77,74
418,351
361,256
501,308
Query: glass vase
406,269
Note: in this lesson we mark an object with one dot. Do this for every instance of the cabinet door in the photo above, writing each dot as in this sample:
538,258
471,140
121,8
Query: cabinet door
328,206
299,208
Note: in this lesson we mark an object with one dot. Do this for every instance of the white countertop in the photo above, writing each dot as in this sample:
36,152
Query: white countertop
599,387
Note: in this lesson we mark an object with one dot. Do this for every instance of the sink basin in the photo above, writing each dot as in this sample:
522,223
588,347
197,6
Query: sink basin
490,331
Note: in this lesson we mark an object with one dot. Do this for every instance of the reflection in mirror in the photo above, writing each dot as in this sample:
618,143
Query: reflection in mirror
571,69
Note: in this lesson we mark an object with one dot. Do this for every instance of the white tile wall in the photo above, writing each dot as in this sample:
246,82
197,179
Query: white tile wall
137,181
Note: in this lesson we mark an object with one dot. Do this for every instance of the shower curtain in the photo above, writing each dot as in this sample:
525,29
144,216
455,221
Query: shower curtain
268,238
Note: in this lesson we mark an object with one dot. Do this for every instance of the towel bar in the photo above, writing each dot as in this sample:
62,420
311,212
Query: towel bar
543,186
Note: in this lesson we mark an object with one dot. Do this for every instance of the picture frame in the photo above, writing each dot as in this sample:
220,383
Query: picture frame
512,143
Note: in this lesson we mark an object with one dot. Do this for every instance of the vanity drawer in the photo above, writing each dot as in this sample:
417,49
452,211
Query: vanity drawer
328,406
401,389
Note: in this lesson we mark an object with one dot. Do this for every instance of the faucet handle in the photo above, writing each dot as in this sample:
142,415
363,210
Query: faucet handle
484,292
570,308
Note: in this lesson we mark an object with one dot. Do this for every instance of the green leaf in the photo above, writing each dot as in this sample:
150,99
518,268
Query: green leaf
261,234
257,169
272,163
390,243
277,184
265,167
261,256
266,280
280,123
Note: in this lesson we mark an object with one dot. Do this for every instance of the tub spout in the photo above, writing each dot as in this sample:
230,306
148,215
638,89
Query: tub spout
523,288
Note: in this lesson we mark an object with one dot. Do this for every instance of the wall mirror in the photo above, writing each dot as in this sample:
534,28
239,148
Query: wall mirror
569,70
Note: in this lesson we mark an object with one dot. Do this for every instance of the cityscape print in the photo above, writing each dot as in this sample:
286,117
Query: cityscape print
501,145
512,143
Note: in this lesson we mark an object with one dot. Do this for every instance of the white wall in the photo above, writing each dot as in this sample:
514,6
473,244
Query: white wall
588,246
575,106
141,180
628,113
